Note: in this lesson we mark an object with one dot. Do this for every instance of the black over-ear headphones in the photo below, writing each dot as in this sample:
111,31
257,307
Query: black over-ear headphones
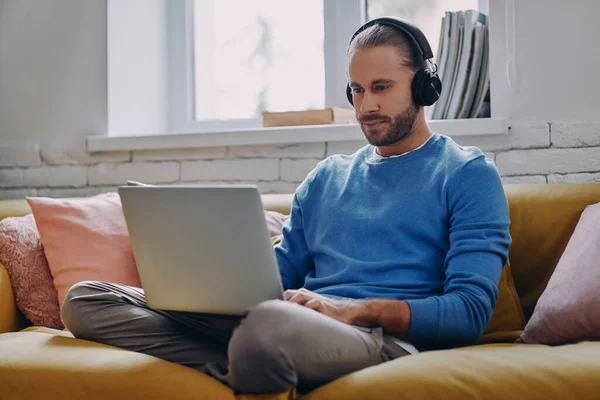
426,85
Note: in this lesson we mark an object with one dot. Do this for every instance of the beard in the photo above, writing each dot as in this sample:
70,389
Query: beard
393,130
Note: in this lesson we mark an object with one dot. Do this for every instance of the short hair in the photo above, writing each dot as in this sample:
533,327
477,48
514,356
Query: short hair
384,35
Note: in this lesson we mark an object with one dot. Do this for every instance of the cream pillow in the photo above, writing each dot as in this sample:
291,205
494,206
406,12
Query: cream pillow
569,308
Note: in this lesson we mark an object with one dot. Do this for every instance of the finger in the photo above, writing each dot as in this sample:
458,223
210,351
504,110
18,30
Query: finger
314,304
289,293
300,298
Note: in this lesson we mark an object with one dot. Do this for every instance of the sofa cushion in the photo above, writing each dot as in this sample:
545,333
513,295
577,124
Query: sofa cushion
569,308
14,208
9,314
491,372
48,364
85,239
507,314
23,256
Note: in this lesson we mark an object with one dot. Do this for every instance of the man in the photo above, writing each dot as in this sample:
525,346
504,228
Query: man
395,249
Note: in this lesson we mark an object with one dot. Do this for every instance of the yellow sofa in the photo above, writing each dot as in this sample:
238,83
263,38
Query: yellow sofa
45,363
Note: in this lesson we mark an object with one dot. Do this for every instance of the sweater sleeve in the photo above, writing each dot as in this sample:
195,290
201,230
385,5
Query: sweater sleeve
479,240
292,253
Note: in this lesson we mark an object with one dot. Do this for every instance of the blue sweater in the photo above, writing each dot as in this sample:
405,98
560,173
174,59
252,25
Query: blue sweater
430,227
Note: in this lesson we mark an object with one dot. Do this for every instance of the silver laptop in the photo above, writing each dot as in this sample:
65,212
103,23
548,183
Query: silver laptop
201,248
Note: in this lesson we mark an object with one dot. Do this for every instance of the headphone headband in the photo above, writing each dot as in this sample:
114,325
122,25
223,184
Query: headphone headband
413,33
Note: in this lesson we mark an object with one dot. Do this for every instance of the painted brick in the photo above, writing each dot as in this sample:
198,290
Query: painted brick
63,176
575,178
348,147
264,187
20,155
490,155
296,170
119,174
278,187
61,153
17,194
547,161
522,135
231,170
301,150
75,192
575,134
180,154
524,179
12,177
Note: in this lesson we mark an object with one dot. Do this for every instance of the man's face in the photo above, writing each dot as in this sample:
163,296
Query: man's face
381,88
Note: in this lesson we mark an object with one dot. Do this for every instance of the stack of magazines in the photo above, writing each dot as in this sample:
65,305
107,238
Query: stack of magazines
463,66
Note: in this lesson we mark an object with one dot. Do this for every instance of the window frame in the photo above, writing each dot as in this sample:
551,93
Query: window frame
341,19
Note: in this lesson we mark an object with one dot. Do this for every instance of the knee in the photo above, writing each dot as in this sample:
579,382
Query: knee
77,310
258,358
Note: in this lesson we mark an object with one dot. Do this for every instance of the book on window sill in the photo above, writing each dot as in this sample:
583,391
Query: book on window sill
331,115
463,65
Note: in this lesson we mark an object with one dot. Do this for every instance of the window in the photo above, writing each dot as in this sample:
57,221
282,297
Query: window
190,66
273,55
265,56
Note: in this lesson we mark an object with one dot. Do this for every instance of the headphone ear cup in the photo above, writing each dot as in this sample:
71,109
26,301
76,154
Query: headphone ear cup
426,88
432,89
349,95
417,87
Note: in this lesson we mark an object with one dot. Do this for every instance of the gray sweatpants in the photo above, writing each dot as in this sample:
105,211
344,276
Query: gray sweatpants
277,346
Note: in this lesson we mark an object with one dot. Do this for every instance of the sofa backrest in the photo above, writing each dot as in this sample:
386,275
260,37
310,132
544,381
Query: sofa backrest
13,208
543,218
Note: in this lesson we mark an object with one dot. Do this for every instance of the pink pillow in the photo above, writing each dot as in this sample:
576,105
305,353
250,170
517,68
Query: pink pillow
22,255
85,239
569,308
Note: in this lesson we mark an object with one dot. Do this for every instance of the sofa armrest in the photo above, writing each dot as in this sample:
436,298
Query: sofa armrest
10,318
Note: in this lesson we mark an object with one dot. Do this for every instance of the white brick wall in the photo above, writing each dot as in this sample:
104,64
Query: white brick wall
75,192
118,174
295,170
180,154
524,179
231,170
344,147
548,161
69,176
575,134
303,150
574,178
522,135
26,155
75,153
532,152
11,194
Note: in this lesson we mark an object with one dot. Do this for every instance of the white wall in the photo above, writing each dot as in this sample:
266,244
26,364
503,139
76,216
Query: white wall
138,67
557,56
52,69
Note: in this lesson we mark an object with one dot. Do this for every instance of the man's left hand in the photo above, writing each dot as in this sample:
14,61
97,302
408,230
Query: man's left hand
344,310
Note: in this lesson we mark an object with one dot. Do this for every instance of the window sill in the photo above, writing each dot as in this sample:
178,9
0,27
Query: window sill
283,135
